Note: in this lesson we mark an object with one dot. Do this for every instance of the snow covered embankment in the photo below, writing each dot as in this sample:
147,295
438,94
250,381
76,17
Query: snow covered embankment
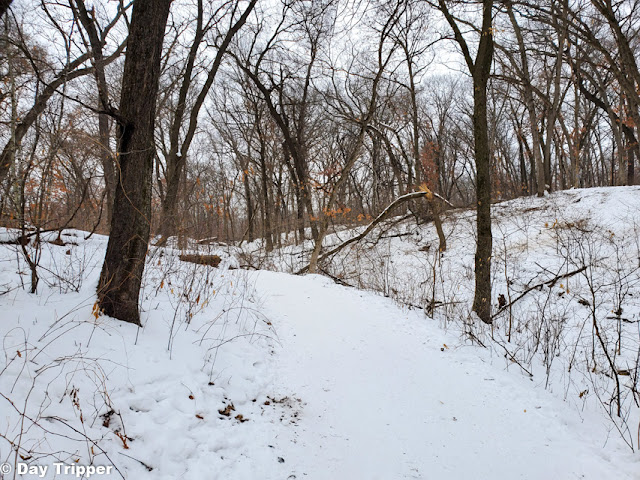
263,375
566,283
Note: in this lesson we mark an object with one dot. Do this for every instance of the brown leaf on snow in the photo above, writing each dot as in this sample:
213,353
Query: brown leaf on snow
227,410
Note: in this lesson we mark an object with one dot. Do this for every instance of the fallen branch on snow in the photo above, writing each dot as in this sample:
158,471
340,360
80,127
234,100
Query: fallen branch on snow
549,283
398,201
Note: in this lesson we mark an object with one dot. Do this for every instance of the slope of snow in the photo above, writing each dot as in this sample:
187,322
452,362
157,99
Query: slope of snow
388,395
242,375
567,266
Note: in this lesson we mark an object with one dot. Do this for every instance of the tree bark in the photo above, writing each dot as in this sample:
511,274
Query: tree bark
4,6
480,70
121,276
482,298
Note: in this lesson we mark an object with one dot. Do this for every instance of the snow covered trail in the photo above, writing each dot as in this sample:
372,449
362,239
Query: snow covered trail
384,398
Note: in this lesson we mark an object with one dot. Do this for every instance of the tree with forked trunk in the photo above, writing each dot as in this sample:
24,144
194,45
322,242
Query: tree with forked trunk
176,157
480,69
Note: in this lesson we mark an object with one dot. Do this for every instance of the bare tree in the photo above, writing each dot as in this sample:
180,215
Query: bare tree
480,69
179,147
121,276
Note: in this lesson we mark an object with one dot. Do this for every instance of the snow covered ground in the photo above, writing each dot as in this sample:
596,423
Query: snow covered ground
389,395
240,375
565,267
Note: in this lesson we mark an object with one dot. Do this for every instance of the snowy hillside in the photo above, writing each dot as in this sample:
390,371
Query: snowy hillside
243,374
566,286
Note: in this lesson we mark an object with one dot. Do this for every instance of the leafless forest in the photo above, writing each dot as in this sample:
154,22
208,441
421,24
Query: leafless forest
279,124
279,120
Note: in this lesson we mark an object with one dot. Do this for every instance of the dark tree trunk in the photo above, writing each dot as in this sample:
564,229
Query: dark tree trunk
107,164
4,5
170,218
524,185
250,235
177,158
304,188
480,71
266,203
300,215
631,165
482,299
484,57
121,276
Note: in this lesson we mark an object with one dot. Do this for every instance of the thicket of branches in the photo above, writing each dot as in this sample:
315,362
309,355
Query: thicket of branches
277,121
318,109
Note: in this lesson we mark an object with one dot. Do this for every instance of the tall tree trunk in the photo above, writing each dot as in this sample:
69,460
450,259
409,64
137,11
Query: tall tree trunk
121,276
266,203
524,185
553,110
250,209
301,166
96,46
480,70
482,298
298,191
300,215
529,102
632,149
169,222
176,160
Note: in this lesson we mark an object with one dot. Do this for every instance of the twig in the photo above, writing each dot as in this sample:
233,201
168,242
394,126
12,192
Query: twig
513,359
339,281
549,283
148,467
